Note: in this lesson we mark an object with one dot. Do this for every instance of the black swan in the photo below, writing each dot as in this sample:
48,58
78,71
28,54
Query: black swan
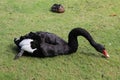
47,44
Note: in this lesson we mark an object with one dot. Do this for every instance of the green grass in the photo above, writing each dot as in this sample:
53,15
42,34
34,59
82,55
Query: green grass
100,17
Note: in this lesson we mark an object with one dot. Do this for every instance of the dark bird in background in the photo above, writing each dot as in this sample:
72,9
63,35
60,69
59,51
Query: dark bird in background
46,44
58,8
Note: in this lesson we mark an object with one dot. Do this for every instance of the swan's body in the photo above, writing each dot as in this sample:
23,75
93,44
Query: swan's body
48,44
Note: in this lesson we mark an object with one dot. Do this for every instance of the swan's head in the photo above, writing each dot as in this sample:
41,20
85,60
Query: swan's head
100,48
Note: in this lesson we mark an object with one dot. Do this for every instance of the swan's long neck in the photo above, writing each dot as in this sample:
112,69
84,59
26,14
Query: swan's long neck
72,38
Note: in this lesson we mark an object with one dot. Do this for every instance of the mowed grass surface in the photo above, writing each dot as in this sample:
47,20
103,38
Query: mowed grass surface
100,17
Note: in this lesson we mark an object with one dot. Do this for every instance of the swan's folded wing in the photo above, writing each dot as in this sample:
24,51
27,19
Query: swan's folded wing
53,50
51,38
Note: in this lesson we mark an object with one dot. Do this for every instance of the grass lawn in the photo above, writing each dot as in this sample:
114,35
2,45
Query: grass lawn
100,17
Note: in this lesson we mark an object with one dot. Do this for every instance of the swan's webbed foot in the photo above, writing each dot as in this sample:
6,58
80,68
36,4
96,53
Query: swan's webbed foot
19,54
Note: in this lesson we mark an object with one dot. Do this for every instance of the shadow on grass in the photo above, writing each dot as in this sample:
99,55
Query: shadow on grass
16,51
90,54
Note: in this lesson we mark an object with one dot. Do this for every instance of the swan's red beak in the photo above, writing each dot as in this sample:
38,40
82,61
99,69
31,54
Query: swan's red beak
105,54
